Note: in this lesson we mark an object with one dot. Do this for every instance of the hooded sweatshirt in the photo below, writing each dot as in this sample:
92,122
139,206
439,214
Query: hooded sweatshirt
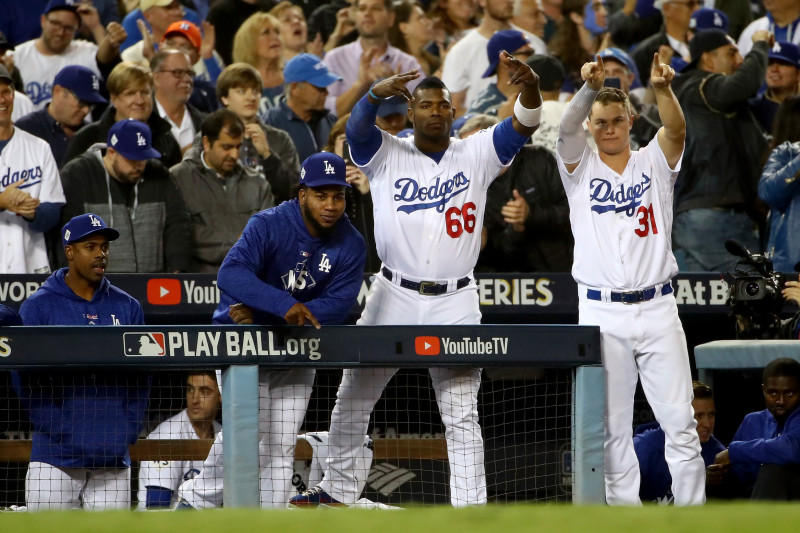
82,419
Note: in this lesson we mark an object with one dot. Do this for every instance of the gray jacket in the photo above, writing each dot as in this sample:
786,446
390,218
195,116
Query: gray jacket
219,208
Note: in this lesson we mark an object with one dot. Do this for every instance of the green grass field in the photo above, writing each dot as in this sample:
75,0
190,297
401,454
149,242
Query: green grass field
724,518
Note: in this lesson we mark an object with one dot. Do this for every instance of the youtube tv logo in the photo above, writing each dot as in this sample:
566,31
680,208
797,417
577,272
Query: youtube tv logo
427,345
163,291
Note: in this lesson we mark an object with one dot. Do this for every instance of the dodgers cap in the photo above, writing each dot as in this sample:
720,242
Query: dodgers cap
68,5
310,69
322,169
706,41
786,52
707,18
132,139
509,40
84,225
81,81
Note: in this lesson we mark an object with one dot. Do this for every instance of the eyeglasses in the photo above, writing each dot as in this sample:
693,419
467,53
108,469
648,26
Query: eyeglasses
180,73
60,26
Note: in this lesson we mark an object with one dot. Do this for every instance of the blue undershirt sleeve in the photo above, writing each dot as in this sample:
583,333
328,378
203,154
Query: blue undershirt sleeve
363,135
47,216
507,141
158,497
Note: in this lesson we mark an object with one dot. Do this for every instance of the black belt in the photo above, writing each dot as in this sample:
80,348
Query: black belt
632,297
427,288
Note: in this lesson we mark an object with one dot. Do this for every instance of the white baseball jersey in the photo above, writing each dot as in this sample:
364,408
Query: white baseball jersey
428,215
170,474
38,70
22,106
622,224
26,157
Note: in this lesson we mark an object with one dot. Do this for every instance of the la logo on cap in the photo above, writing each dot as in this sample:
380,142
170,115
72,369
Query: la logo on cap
140,141
95,222
329,168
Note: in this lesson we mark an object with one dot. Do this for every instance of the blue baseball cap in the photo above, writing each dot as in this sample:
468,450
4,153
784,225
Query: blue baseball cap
616,54
84,225
786,52
508,40
323,169
69,5
132,139
392,106
707,18
310,69
81,81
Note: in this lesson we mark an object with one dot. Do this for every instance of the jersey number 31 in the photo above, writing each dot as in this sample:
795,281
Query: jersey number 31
454,216
647,221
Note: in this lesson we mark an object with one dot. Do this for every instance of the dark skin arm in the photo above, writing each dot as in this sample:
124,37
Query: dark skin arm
530,98
296,315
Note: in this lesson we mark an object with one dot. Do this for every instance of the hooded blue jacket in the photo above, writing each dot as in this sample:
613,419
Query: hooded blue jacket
276,263
82,419
761,440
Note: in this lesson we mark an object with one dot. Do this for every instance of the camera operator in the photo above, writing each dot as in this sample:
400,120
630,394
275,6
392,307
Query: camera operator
790,328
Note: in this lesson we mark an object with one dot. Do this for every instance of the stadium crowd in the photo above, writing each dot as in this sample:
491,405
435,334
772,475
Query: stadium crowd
174,122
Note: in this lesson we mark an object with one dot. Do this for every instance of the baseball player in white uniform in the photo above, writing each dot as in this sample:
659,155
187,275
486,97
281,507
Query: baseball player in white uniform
428,195
31,196
159,480
621,214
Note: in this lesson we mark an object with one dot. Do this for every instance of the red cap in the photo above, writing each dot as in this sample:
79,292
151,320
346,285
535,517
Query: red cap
188,30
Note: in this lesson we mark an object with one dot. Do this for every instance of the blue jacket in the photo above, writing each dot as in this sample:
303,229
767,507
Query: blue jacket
780,189
276,263
648,442
82,419
760,440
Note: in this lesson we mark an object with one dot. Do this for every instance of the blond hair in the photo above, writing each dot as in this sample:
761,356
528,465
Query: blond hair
245,49
128,75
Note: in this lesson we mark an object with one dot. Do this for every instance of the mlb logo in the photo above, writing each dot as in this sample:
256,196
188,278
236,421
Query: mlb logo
144,344
427,345
163,291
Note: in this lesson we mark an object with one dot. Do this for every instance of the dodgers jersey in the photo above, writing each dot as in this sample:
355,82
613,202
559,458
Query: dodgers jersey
622,224
429,215
28,158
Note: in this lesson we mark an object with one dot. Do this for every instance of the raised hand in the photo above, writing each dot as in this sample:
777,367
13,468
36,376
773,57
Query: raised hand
395,85
254,132
148,50
521,72
209,40
661,75
593,74
516,211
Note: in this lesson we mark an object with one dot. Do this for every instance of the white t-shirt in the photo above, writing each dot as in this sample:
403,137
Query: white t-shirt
428,215
170,474
26,157
38,71
22,106
622,223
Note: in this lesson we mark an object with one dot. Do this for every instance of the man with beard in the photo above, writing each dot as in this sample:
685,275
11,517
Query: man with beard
220,194
300,262
75,91
83,421
123,182
428,196
765,452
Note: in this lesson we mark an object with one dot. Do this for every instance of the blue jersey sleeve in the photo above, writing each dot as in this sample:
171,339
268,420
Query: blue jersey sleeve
238,275
363,135
334,304
507,141
47,216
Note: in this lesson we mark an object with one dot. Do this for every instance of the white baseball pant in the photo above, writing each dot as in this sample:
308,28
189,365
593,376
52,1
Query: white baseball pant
646,341
456,395
49,488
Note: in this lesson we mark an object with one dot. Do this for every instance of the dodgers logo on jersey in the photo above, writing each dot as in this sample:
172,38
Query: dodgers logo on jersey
436,195
607,198
30,176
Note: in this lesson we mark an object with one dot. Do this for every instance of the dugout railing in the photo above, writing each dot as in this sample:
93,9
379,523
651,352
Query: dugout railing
240,350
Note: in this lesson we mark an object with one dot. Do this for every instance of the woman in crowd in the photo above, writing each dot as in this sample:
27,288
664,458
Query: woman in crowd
453,18
576,27
779,187
294,31
413,33
258,43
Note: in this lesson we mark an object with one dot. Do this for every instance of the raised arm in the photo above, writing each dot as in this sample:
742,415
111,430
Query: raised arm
571,136
672,136
528,108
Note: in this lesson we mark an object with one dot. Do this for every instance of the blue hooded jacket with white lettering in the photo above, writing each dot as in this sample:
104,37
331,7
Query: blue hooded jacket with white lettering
761,440
276,263
82,419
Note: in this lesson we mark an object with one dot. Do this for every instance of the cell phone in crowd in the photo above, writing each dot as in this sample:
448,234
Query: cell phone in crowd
346,152
612,82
